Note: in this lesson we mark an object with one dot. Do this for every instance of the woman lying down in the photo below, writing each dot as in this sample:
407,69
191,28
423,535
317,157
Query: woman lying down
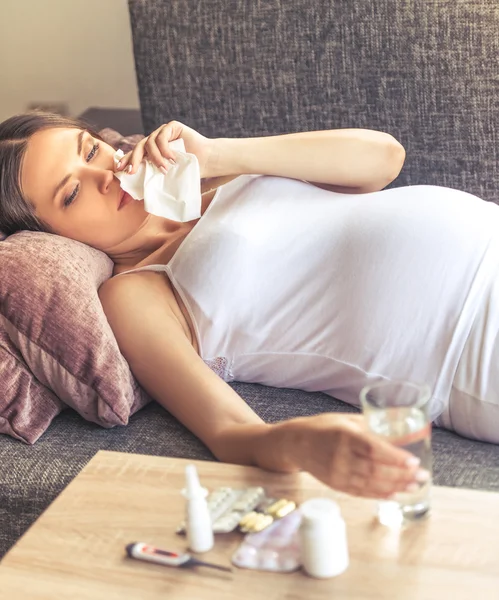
301,272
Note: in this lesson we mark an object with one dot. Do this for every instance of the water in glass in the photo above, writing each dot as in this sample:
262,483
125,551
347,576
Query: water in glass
408,428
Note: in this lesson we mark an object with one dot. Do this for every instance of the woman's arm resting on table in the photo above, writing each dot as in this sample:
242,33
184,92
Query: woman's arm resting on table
334,448
340,159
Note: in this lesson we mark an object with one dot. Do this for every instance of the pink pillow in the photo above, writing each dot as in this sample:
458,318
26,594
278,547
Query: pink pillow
56,346
26,406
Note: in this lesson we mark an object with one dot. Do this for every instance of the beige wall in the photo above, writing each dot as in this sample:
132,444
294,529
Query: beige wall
74,51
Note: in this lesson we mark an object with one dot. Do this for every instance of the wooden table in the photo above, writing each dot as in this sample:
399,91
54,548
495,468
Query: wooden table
76,548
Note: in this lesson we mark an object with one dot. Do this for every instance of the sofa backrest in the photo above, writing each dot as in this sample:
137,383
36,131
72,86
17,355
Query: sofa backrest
426,72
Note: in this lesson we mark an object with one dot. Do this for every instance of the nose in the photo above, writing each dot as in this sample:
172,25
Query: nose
105,178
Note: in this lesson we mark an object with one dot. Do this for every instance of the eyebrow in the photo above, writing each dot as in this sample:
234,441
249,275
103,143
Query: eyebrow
66,179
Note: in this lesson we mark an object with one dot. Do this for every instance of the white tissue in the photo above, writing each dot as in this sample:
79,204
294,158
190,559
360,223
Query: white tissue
176,195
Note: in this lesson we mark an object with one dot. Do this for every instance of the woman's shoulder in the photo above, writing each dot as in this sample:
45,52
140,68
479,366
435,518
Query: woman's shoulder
131,295
132,291
136,284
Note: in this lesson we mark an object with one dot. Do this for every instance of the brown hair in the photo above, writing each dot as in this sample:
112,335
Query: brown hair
16,211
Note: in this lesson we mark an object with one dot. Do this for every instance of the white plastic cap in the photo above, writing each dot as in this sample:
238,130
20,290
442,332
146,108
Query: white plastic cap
324,546
317,510
193,488
192,480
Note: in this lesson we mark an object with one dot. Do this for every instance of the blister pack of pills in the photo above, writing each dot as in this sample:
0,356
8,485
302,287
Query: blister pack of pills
276,548
228,506
268,511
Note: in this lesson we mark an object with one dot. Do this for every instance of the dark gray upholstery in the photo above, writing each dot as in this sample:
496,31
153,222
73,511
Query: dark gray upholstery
426,72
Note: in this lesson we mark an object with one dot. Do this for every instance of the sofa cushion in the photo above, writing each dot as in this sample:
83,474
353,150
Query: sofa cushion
56,346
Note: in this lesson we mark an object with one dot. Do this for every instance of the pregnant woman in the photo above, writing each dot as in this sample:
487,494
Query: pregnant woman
301,272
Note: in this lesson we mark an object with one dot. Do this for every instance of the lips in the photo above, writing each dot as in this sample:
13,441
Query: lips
124,199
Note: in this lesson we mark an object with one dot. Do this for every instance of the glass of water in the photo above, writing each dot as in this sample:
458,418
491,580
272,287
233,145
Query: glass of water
398,411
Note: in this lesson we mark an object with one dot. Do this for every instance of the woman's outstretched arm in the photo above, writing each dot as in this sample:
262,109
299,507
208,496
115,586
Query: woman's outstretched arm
335,448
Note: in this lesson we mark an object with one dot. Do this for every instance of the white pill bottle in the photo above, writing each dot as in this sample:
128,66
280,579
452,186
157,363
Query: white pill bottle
323,538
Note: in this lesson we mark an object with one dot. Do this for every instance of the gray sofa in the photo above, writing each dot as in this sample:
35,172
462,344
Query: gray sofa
427,72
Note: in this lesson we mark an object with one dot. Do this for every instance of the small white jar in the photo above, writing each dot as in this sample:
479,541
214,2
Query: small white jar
323,539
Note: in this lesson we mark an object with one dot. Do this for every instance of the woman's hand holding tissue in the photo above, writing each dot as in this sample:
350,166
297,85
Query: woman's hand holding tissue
156,149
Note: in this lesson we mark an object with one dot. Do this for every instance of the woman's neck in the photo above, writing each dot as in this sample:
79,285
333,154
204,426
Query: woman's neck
158,238
151,239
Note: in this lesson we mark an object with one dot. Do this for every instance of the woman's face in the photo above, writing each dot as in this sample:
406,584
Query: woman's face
68,177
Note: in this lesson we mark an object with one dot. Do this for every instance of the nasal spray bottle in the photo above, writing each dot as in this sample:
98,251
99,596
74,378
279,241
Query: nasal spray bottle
197,519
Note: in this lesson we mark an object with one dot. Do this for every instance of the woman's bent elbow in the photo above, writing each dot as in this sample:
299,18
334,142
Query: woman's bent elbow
392,159
395,158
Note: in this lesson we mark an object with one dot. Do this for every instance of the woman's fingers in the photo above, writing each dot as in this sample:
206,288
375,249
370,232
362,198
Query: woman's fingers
367,465
341,452
158,151
358,477
379,480
169,132
132,160
123,162
155,148
377,449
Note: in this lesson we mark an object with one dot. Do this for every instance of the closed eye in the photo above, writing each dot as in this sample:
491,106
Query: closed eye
70,199
93,152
